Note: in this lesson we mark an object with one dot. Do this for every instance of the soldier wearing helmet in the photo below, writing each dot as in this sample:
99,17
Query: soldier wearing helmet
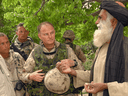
69,37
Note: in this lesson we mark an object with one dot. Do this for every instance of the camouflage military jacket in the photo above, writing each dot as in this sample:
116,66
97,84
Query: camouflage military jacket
30,64
79,53
15,64
26,46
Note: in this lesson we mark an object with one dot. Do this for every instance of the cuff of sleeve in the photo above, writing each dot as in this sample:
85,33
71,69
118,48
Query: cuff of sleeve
112,89
27,80
80,78
118,89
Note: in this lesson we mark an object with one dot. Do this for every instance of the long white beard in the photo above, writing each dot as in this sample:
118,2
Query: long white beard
104,33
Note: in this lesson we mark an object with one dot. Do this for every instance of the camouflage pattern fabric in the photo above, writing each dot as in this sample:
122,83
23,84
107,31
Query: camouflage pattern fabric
79,53
35,61
38,88
26,46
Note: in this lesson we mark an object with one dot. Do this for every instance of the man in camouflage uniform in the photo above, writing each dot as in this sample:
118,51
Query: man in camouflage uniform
44,57
23,44
69,37
14,62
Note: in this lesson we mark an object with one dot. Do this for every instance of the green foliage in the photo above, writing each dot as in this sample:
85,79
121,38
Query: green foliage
63,14
57,12
126,28
126,31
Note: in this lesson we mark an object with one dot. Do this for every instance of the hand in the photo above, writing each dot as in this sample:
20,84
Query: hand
95,87
68,62
36,76
63,68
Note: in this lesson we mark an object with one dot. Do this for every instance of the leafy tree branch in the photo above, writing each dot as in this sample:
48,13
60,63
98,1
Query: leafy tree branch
43,2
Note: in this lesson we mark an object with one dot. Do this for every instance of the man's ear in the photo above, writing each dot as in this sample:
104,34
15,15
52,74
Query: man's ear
27,32
17,33
39,35
114,22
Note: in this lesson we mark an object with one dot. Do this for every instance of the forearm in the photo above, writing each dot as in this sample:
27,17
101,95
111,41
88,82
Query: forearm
72,56
118,89
73,72
28,69
25,78
105,86
81,78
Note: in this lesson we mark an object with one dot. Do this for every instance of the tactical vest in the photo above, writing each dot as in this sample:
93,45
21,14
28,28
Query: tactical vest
24,53
41,62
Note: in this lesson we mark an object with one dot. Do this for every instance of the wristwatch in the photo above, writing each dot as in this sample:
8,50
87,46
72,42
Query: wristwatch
75,62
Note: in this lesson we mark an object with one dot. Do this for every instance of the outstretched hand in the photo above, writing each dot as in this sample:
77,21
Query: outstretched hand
36,76
95,87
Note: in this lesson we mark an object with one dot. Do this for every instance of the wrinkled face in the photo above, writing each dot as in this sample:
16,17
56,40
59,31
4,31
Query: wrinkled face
47,34
4,45
105,29
22,33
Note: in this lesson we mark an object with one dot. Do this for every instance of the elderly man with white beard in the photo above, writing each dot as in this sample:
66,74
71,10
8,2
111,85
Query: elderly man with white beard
108,73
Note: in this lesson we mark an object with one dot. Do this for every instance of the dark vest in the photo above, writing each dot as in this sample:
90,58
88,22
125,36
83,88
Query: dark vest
42,62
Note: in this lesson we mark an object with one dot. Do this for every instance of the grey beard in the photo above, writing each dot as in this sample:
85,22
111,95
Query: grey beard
101,37
104,33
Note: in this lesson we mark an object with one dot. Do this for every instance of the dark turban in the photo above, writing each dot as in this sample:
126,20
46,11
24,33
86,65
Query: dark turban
117,11
115,60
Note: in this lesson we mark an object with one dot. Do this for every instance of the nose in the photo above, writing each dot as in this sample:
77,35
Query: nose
97,22
6,45
23,33
49,36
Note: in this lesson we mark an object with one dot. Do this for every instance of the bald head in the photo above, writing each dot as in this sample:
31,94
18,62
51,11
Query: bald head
43,23
46,33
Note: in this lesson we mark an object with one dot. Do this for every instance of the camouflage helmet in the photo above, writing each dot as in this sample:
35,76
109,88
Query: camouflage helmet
69,34
57,82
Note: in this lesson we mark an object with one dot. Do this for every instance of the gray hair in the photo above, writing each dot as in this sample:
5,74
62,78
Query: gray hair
43,23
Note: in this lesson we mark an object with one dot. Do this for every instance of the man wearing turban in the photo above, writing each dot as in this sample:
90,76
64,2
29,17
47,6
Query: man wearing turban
108,73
